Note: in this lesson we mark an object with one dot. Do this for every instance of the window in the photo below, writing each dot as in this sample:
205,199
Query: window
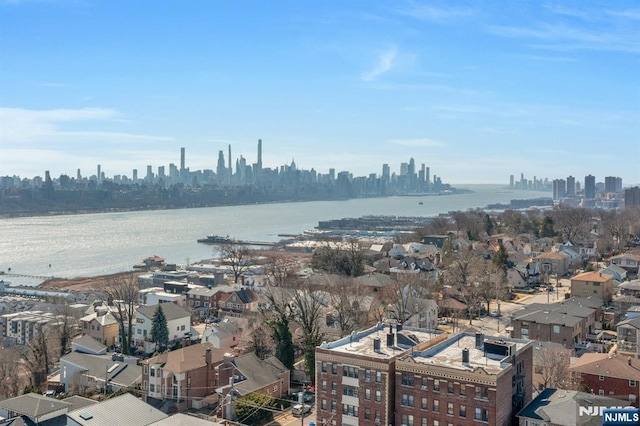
367,394
323,404
601,378
632,383
407,400
144,385
145,369
334,368
463,389
423,403
449,387
350,410
367,413
481,392
376,418
601,392
556,329
334,406
378,396
407,420
424,384
450,408
424,422
436,423
152,372
349,390
348,371
334,388
324,386
323,368
436,406
152,387
463,411
481,414
436,385
378,377
367,375
407,379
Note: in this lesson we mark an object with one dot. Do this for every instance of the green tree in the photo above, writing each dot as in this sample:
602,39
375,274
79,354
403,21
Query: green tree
547,227
159,329
254,409
488,224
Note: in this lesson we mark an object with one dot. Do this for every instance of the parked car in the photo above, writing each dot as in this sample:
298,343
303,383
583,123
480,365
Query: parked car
300,409
495,313
442,321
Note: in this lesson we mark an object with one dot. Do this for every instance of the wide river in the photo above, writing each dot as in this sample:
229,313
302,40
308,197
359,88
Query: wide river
94,244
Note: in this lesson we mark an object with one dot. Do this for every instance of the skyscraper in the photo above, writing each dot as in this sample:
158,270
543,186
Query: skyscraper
181,160
559,189
590,187
571,186
259,154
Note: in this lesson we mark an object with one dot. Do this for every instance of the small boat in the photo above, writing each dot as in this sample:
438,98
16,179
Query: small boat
420,203
216,239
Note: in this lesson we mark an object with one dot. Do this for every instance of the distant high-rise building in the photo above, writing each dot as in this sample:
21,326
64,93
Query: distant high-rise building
511,181
386,172
571,186
134,175
332,175
559,189
590,187
612,184
259,154
220,170
578,187
428,178
632,197
98,173
230,169
161,172
404,169
149,177
78,175
182,166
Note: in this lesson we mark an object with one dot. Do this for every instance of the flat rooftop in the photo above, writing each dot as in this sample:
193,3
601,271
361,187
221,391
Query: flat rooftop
493,355
363,342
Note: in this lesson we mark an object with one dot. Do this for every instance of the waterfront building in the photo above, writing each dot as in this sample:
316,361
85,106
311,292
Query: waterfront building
589,187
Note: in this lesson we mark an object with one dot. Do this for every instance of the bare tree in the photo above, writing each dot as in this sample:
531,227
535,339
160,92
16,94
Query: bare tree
461,274
67,327
123,296
552,367
237,256
279,269
308,310
10,373
38,357
346,300
572,223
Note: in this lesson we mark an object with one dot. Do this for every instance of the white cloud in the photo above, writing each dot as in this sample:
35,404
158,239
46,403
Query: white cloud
430,13
386,61
23,126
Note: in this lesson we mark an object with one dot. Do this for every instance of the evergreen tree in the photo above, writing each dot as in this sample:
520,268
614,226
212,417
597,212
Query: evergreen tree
159,329
281,335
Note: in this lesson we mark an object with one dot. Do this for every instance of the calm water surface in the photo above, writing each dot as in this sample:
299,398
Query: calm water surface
94,244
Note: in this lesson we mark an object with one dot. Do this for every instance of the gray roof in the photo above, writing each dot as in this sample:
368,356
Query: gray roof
171,311
184,420
89,343
634,322
568,312
123,410
95,365
631,285
33,405
79,402
259,373
560,407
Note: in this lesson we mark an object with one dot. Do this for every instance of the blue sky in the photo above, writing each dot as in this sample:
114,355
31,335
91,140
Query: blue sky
475,90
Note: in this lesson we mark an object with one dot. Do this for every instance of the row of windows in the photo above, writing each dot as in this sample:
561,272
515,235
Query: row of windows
349,371
408,379
351,391
480,414
408,401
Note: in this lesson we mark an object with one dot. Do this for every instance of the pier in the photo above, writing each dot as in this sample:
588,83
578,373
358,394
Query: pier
35,277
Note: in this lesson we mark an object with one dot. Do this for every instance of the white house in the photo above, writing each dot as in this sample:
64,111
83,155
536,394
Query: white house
178,323
223,335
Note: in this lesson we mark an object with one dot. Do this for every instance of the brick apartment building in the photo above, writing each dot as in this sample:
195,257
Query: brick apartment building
414,377
610,375
593,284
567,322
355,376
464,380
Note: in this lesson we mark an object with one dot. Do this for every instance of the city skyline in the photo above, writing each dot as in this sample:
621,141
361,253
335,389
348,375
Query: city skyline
477,91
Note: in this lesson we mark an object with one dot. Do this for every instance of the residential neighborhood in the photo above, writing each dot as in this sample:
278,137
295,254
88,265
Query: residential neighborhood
477,325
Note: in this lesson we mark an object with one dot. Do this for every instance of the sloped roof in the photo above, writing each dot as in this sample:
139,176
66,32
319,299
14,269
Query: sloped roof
593,276
184,420
123,410
634,322
171,311
598,364
79,402
552,256
104,320
259,373
560,407
33,405
95,366
187,358
89,343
